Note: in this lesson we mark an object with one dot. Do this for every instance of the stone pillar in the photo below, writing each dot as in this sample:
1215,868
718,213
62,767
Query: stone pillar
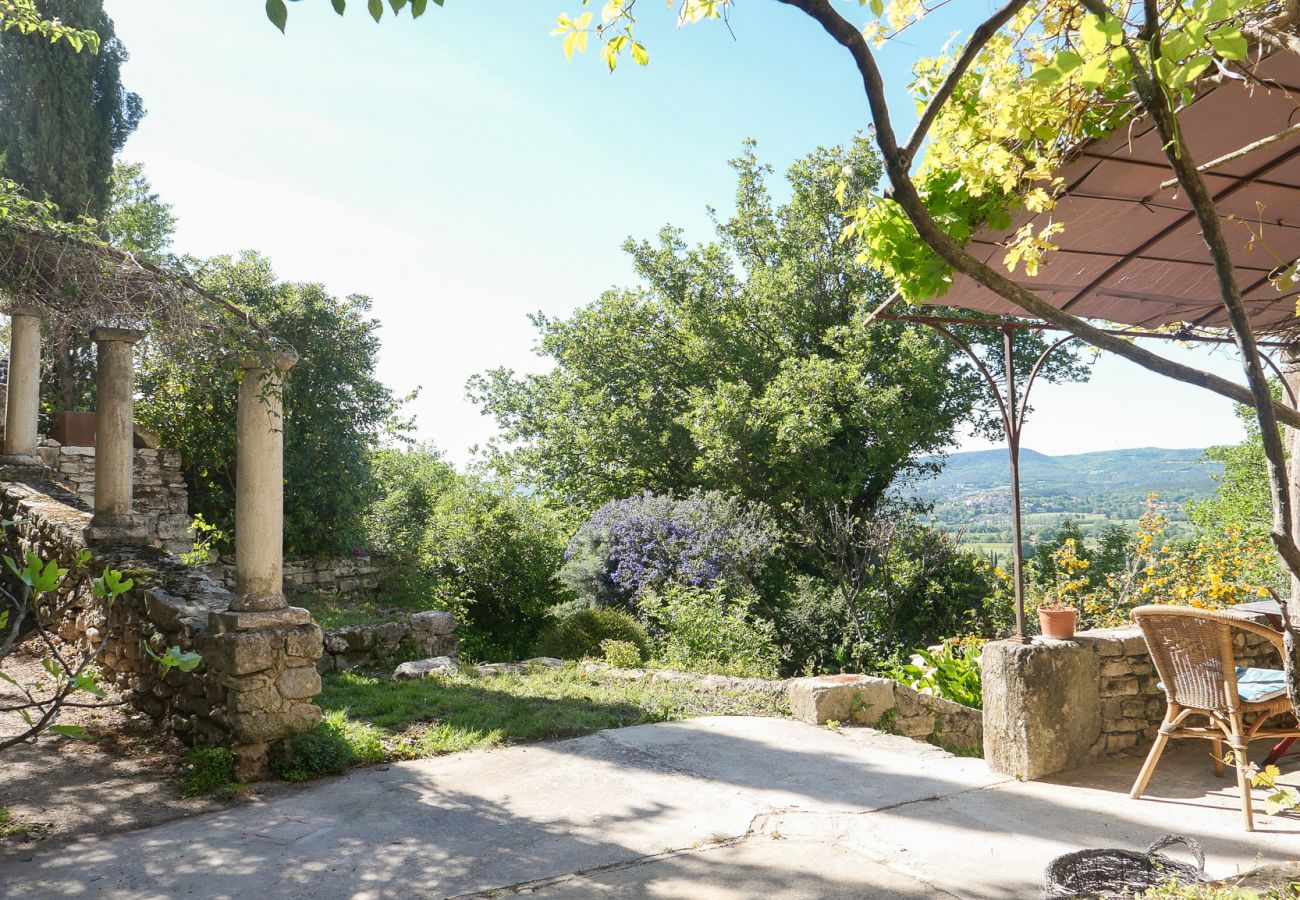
24,400
114,431
259,483
1042,706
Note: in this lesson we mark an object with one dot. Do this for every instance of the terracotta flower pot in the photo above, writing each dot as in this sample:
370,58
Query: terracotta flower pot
1057,623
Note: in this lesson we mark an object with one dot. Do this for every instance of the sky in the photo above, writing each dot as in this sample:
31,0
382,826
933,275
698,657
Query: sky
460,172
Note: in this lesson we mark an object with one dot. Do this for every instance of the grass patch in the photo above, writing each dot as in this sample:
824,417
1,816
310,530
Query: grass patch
208,770
446,714
11,829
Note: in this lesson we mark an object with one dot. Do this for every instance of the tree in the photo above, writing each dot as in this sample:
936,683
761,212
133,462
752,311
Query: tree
1241,497
480,548
741,365
137,220
335,410
63,116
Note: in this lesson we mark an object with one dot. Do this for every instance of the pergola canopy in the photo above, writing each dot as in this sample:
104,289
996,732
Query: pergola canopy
1131,251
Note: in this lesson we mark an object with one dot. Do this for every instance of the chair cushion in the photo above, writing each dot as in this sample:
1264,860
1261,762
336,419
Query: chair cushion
1260,685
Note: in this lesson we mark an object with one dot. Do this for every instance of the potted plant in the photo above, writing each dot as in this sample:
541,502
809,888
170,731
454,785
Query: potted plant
1057,618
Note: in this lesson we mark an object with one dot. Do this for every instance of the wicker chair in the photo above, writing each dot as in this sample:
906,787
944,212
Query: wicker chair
1192,652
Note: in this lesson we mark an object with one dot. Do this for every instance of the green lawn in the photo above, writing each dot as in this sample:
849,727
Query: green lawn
335,611
414,719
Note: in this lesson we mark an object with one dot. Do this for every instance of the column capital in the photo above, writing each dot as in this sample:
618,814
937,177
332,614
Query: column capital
25,309
101,333
282,359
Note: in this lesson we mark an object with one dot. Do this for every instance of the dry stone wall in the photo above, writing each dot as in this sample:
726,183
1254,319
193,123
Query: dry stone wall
422,635
888,706
258,675
347,576
161,501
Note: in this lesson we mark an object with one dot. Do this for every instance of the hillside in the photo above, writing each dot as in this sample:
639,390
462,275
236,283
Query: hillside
972,492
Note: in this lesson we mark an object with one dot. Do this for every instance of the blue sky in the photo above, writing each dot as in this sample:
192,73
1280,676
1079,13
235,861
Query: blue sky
462,173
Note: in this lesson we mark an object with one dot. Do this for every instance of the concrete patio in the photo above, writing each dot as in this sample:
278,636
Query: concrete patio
720,807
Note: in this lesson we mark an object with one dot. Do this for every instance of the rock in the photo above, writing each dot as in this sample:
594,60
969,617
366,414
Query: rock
434,622
860,699
300,683
499,668
548,662
392,632
423,668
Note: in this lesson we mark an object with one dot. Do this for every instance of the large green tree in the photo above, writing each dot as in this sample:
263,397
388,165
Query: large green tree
743,364
63,117
335,409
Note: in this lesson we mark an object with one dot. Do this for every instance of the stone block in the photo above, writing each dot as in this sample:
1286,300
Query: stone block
1042,706
258,620
251,762
433,621
301,683
240,653
264,697
860,699
305,641
392,632
423,668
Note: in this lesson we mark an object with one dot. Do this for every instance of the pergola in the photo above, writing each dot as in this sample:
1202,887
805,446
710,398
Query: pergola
1132,254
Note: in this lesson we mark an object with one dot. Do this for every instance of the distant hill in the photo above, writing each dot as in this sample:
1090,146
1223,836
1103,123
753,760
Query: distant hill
973,490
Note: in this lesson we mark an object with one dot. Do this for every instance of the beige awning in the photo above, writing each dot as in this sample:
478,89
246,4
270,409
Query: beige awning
1132,253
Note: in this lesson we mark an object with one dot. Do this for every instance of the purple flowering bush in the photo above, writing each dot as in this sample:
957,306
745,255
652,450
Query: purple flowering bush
649,542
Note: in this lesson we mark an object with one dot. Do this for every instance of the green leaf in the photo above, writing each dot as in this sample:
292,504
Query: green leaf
1094,72
1229,43
640,55
397,5
1092,34
376,9
339,5
878,7
72,731
418,7
278,13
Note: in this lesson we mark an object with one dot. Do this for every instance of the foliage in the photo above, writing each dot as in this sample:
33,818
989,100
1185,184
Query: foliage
335,409
482,549
24,17
40,595
1213,570
137,220
581,634
464,711
334,746
647,542
621,654
739,365
63,115
207,771
950,670
1280,798
710,629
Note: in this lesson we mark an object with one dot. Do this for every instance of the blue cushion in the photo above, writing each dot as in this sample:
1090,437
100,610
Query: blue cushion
1258,685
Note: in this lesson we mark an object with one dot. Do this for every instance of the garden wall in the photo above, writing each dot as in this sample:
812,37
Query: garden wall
161,501
347,576
424,634
1054,705
888,706
258,673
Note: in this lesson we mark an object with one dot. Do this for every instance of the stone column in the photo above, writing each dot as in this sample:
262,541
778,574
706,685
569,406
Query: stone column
24,402
259,483
114,429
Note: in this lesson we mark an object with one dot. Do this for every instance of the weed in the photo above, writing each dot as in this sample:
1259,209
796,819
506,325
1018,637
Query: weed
208,770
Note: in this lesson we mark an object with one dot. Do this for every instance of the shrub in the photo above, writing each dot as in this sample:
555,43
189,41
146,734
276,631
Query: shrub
333,746
480,549
950,670
207,770
580,635
648,542
703,630
621,654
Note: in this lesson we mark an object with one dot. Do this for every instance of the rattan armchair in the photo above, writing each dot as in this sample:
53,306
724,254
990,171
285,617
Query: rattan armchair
1193,655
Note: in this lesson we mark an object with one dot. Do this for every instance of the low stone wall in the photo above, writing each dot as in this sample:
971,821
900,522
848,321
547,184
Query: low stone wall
258,673
888,706
1054,705
161,501
347,576
424,634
